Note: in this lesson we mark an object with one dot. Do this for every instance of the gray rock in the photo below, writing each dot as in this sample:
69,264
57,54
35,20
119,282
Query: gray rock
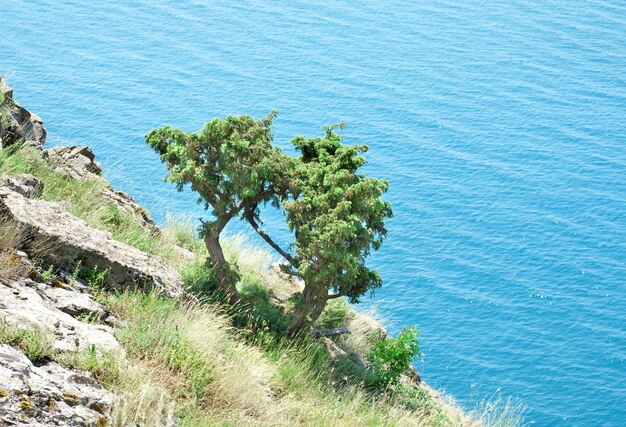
25,184
17,123
37,306
77,161
48,394
72,241
127,204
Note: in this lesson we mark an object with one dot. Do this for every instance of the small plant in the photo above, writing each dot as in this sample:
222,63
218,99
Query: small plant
92,318
94,277
391,357
36,345
104,366
336,314
48,273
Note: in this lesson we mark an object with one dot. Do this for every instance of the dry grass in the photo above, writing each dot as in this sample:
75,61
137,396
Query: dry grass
10,264
187,364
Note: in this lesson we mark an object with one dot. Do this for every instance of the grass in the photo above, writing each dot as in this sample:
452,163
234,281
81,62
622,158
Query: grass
36,345
197,364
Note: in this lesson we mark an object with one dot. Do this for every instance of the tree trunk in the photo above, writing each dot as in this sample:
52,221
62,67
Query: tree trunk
226,277
309,311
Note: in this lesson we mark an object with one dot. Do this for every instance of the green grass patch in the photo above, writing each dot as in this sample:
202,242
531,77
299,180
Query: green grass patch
36,345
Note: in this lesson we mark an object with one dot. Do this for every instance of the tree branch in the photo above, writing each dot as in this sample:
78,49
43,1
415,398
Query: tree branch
285,269
339,295
249,214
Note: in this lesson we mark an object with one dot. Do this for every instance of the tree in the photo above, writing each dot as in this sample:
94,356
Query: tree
337,217
233,167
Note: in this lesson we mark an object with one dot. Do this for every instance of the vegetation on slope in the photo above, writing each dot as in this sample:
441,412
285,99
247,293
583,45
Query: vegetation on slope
202,363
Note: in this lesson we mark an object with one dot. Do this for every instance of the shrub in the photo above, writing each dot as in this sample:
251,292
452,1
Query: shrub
391,357
335,314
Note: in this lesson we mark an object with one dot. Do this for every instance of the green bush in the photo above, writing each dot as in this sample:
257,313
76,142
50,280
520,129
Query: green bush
391,357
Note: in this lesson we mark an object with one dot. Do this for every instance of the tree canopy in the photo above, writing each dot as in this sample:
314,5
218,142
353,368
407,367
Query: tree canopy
232,165
336,213
337,216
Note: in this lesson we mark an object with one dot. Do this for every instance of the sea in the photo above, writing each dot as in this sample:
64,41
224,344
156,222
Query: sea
500,126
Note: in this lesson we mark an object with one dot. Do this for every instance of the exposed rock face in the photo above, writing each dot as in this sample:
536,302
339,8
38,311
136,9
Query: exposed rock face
63,240
48,395
17,123
127,204
34,304
79,162
25,184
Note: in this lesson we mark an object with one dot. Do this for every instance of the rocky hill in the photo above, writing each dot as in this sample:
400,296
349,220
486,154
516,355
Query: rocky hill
105,318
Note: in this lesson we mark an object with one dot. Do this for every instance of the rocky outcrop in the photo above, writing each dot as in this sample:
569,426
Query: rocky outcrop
17,123
79,162
65,241
49,394
25,184
55,306
127,204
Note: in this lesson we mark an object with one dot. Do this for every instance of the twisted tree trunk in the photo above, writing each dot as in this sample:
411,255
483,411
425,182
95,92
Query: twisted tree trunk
226,276
309,310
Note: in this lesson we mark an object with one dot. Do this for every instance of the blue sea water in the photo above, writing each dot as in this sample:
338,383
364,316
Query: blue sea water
501,127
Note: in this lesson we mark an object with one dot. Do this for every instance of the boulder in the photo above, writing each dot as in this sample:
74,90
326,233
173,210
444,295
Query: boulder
65,241
25,184
17,123
34,305
48,394
79,162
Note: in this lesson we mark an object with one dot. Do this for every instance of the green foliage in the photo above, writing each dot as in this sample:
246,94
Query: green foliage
48,273
199,279
103,365
230,163
335,315
232,166
36,345
391,357
337,215
94,276
257,312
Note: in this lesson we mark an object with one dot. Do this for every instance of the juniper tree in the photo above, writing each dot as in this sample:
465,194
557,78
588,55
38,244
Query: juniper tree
337,217
232,166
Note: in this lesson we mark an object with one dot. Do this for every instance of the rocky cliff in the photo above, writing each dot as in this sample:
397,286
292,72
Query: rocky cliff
56,303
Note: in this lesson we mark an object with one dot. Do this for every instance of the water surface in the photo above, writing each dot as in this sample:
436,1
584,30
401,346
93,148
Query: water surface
500,126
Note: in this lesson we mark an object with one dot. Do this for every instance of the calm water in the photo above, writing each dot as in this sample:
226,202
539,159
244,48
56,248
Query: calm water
501,128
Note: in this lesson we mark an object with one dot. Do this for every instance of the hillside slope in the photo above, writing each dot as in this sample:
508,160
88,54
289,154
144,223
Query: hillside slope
105,319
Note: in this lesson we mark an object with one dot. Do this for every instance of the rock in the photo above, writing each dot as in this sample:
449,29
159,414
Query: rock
75,303
17,123
333,350
127,204
48,394
25,184
72,241
37,306
77,161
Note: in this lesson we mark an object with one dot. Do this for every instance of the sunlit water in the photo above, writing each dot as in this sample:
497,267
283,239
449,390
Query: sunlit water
500,126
